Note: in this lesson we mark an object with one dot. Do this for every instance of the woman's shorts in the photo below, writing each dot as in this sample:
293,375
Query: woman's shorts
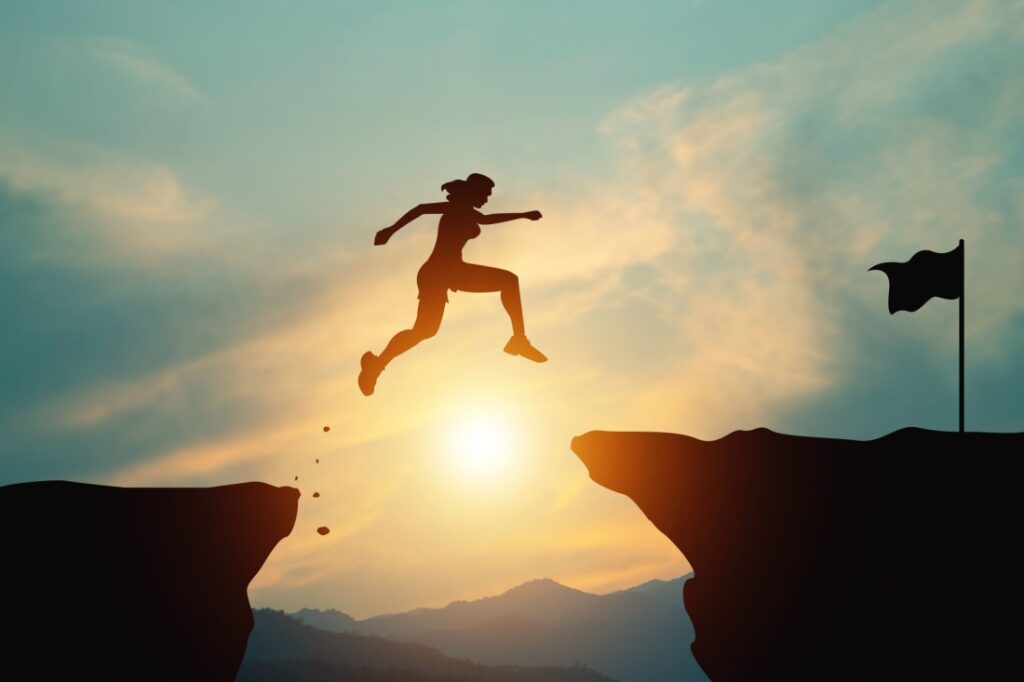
433,281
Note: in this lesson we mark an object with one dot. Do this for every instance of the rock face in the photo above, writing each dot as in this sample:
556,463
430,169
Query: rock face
835,559
133,583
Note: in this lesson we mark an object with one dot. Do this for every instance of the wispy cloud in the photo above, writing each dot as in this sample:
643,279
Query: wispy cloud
896,132
139,64
752,207
134,207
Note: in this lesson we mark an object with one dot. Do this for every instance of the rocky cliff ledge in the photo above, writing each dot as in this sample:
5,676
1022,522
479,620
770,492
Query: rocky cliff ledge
133,583
836,559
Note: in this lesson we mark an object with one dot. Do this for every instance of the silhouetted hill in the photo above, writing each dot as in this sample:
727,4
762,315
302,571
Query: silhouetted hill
635,635
667,590
329,619
133,583
831,559
282,648
539,600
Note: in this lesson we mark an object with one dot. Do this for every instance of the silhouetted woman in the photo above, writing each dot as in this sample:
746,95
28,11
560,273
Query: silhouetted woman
445,269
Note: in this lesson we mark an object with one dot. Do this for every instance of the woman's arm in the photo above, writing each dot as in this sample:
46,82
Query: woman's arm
384,235
505,217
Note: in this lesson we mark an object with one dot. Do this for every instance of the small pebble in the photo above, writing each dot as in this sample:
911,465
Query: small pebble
323,530
326,429
316,494
296,478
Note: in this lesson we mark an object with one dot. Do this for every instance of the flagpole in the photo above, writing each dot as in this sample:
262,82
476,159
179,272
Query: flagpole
963,258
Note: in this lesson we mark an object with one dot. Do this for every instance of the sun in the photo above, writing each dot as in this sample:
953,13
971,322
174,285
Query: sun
481,446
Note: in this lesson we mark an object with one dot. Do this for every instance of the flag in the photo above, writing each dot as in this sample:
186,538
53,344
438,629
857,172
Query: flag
927,274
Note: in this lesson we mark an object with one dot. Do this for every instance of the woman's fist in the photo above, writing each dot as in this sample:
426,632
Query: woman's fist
533,215
383,236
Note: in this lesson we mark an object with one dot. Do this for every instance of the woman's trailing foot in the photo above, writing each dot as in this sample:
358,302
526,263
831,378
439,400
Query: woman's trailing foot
520,345
370,369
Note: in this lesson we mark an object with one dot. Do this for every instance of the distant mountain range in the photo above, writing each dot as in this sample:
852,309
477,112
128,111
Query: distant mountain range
282,649
640,634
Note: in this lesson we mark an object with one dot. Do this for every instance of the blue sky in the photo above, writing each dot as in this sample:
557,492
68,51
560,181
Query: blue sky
188,196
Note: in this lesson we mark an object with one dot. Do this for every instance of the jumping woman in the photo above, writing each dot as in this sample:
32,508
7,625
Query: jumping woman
445,269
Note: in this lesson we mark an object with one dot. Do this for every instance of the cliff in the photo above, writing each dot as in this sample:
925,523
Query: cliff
835,559
133,583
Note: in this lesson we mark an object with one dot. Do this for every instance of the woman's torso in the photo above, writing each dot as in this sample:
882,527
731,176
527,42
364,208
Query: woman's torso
453,231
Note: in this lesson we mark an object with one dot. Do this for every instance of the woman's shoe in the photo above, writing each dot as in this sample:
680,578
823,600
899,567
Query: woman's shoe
520,345
370,369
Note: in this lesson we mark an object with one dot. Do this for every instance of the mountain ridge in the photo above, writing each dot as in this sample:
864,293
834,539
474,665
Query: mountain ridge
530,587
630,634
281,647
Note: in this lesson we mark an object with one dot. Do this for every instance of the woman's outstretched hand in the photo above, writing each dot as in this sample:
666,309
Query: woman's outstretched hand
532,215
383,236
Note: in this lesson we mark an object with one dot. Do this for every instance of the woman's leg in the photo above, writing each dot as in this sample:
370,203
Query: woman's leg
479,278
428,321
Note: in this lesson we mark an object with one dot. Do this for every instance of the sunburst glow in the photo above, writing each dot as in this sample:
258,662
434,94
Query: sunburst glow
481,446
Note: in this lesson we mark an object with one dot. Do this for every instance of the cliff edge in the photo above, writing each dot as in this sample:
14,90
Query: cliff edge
834,559
133,583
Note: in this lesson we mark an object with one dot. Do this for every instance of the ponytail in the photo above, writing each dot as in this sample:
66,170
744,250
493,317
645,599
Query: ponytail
455,188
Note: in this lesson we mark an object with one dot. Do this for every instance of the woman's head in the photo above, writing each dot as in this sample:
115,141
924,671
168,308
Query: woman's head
474,190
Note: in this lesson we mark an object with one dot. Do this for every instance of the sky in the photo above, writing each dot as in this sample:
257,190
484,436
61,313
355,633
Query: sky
189,194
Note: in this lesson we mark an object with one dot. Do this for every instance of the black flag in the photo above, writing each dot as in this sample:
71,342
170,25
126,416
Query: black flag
927,274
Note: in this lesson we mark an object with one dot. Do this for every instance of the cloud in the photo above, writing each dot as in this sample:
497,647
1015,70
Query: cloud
112,344
134,208
720,283
137,63
899,131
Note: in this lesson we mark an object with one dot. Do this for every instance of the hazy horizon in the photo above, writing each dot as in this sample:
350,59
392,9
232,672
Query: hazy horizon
486,596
